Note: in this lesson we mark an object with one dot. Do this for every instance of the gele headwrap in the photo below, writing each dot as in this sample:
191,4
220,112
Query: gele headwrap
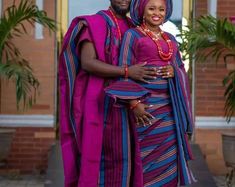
137,10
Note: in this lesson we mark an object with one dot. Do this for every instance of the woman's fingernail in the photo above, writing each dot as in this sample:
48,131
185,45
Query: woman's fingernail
150,105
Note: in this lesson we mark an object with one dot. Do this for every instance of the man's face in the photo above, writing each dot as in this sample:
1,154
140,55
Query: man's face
121,7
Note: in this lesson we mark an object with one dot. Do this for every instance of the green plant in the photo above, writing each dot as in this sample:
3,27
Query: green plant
230,177
213,38
12,64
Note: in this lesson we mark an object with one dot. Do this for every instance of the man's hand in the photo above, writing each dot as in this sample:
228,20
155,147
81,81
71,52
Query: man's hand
140,73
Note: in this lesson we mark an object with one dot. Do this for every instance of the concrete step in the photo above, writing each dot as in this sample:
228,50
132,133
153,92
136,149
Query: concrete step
55,174
200,169
55,178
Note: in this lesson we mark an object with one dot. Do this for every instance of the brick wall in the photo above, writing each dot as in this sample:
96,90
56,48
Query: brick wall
209,76
210,142
201,6
41,55
31,145
226,8
209,95
29,151
209,89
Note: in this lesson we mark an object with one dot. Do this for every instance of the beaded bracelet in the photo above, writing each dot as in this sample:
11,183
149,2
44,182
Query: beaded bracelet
135,105
126,71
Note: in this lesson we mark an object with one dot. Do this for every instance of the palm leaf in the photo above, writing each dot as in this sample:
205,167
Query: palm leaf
25,81
11,24
229,83
213,38
12,65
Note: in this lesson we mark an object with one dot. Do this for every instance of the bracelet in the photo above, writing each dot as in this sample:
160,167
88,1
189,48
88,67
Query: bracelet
126,72
135,105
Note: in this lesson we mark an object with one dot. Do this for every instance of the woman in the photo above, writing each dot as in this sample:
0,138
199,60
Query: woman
160,108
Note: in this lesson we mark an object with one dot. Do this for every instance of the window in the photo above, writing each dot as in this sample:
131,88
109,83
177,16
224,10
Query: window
39,27
84,7
212,7
0,8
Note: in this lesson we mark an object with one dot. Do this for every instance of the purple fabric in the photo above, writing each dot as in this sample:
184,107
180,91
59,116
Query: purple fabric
82,145
89,94
136,48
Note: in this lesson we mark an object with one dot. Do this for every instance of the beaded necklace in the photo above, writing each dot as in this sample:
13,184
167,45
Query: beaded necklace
116,23
164,56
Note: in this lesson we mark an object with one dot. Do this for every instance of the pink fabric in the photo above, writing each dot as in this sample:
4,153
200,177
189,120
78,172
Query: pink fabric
89,120
87,107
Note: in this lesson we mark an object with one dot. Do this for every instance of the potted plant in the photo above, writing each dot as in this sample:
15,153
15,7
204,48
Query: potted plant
13,66
214,38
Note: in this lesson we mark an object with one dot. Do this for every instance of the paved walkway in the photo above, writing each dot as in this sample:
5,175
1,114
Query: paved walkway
40,181
54,177
22,181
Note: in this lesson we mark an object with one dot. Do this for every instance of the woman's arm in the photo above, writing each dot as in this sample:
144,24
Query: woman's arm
142,117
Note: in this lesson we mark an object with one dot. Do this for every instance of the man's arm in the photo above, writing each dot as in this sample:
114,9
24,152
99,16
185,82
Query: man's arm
91,64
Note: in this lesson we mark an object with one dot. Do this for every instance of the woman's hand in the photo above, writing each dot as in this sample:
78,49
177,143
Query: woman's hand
140,73
166,71
143,117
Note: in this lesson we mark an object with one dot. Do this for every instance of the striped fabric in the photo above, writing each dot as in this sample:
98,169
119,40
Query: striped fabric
115,167
82,102
69,57
163,146
137,10
158,142
70,64
126,90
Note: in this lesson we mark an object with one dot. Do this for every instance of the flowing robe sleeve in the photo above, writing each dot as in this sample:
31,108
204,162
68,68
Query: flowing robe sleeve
127,89
81,126
180,90
69,147
70,152
181,103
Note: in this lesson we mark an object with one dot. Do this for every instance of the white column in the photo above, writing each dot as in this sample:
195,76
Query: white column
27,120
39,27
212,7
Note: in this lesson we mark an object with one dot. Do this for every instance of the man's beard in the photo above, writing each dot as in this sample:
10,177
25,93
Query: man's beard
119,11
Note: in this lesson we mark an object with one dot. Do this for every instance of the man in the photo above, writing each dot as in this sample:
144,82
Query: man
88,60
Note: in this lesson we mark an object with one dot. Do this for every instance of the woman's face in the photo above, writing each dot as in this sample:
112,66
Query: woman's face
154,13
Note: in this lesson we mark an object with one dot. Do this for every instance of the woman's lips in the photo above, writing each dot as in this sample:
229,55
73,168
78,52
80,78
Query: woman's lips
156,18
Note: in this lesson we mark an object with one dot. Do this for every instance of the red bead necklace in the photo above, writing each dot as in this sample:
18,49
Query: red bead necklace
116,23
164,56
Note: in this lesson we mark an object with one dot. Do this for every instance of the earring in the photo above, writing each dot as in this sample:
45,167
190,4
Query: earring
144,21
